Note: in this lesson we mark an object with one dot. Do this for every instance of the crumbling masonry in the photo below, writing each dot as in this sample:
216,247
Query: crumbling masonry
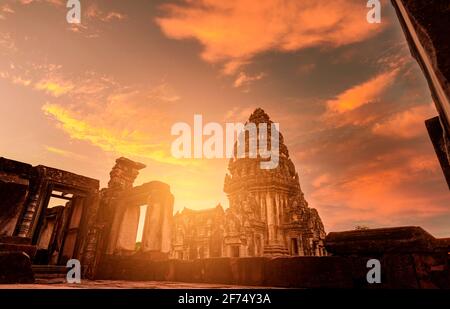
92,223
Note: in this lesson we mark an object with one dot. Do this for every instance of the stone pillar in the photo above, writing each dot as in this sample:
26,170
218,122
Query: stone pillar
279,206
114,227
270,217
316,249
263,207
151,237
283,206
126,240
92,248
166,230
13,194
35,199
243,251
206,253
158,224
112,210
301,251
277,216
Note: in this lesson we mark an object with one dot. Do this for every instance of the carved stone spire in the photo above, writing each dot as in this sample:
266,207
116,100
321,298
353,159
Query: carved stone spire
272,198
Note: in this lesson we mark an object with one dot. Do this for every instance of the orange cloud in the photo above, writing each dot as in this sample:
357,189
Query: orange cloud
406,124
55,87
64,153
21,81
125,120
110,139
4,10
244,79
7,44
362,94
321,180
233,32
93,16
383,192
94,12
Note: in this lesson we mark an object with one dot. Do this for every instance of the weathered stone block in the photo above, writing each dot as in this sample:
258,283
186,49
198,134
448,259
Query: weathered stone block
432,270
13,193
218,270
29,250
248,271
308,272
189,271
399,272
407,239
15,267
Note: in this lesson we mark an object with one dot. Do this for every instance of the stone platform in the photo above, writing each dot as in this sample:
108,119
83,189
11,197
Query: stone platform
121,284
409,258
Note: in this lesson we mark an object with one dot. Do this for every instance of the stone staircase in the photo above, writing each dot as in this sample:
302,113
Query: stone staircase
49,271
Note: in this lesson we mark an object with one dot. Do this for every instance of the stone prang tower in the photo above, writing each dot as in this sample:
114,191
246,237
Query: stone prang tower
268,213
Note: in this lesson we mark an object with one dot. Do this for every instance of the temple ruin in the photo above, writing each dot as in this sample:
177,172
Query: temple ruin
269,236
90,225
268,214
277,241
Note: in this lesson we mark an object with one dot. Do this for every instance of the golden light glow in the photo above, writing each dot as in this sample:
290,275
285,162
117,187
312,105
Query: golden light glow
350,99
121,142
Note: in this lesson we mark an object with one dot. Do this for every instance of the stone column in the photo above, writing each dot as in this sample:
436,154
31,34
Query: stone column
151,236
158,224
270,217
114,227
243,251
166,229
263,207
126,240
283,205
33,206
316,249
278,206
112,210
277,216
301,251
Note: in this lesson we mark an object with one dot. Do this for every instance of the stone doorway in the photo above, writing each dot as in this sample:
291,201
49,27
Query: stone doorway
57,232
294,246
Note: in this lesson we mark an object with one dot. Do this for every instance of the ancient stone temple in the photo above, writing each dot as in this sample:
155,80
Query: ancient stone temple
268,214
89,225
198,233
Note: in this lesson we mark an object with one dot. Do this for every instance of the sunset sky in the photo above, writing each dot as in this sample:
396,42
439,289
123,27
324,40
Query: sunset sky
350,100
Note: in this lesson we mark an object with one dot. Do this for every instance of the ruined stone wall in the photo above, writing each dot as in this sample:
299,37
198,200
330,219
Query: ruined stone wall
14,191
398,271
198,233
409,258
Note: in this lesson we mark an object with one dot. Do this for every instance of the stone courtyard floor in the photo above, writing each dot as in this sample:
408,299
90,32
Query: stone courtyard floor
119,284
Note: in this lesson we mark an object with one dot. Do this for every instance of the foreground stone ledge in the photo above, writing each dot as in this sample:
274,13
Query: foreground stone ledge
397,270
15,267
409,258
